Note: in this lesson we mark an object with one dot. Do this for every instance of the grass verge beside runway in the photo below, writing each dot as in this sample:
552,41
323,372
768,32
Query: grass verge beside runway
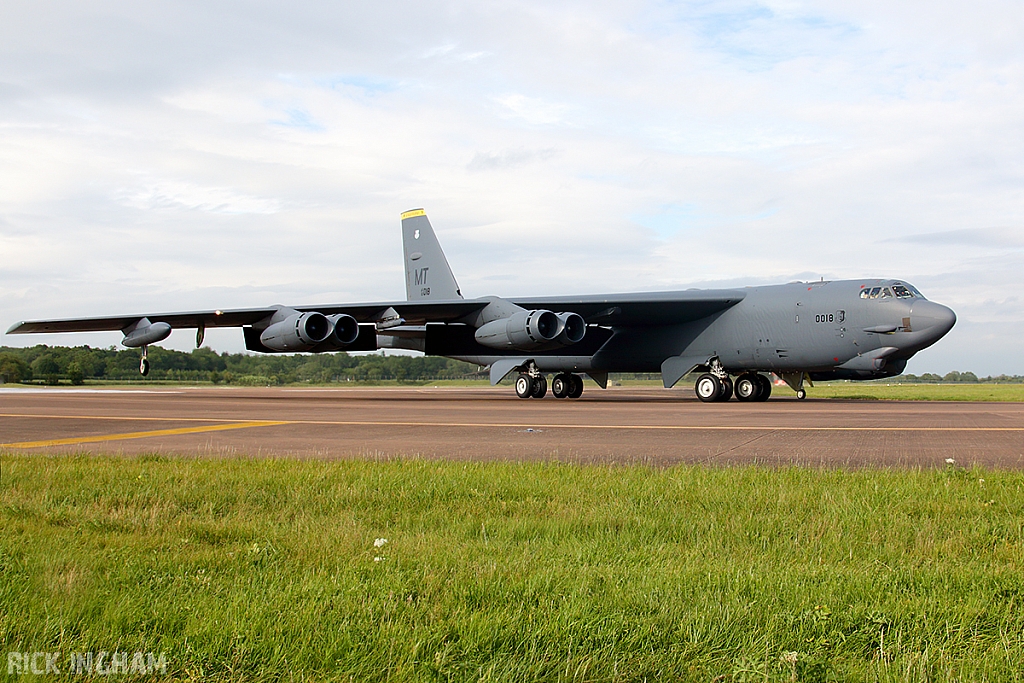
268,569
914,392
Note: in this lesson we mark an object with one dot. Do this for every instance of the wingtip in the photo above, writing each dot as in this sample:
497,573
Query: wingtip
13,329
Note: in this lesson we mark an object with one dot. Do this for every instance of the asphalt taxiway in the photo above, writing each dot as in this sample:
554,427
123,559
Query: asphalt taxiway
649,425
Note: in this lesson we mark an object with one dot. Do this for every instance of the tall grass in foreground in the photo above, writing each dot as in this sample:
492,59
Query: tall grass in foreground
268,570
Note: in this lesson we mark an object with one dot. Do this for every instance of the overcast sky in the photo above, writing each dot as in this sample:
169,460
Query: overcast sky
162,156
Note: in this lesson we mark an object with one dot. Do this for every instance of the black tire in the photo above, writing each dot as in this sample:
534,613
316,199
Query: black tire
540,387
524,386
577,386
766,388
726,389
747,388
144,367
708,388
801,394
560,385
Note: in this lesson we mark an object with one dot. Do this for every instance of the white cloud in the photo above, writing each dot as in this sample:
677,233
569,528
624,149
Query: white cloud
164,156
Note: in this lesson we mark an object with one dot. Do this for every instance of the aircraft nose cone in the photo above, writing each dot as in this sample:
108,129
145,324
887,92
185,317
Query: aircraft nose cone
928,316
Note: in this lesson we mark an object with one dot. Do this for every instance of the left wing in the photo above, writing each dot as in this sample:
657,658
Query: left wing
434,311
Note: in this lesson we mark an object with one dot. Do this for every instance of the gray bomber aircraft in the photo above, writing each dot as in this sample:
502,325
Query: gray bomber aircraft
802,331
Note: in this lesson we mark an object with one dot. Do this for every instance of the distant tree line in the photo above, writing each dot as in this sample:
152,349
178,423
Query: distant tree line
56,364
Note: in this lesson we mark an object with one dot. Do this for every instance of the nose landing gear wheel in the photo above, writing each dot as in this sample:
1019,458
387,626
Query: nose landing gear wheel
708,388
524,386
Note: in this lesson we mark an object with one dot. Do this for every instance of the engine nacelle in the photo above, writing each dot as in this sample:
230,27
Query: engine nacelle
530,330
344,332
573,328
297,332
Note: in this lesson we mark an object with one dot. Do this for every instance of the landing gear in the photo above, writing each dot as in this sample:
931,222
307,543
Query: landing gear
563,385
708,388
540,387
567,385
524,386
747,387
144,363
751,386
726,389
801,394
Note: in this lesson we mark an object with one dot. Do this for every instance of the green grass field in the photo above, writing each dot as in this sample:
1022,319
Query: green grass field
268,570
913,392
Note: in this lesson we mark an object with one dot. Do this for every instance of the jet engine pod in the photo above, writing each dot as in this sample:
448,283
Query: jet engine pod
573,328
297,332
346,329
524,330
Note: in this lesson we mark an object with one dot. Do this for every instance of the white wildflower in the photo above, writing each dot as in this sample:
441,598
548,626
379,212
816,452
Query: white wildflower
379,543
950,461
378,559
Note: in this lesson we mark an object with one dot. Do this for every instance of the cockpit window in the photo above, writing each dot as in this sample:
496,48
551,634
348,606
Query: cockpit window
897,290
902,292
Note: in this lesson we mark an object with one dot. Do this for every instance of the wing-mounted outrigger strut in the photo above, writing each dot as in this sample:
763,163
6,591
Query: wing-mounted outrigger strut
143,333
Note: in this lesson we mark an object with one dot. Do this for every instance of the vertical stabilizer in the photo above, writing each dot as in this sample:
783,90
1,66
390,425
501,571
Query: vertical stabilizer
427,273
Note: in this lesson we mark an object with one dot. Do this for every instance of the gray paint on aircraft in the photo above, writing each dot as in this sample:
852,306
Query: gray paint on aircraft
823,330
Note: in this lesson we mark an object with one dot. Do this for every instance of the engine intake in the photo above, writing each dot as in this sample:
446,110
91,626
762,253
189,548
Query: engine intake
298,332
344,332
573,328
531,330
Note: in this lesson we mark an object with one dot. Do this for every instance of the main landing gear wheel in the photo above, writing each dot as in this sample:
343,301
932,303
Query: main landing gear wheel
748,387
766,388
726,389
577,386
524,386
540,387
708,388
561,385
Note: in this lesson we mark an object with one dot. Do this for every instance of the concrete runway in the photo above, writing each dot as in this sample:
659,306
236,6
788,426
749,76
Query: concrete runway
648,425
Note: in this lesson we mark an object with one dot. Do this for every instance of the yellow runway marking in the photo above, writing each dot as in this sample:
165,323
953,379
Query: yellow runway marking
233,424
139,435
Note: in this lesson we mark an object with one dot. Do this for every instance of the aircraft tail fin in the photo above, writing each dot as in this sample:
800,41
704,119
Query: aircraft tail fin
427,273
